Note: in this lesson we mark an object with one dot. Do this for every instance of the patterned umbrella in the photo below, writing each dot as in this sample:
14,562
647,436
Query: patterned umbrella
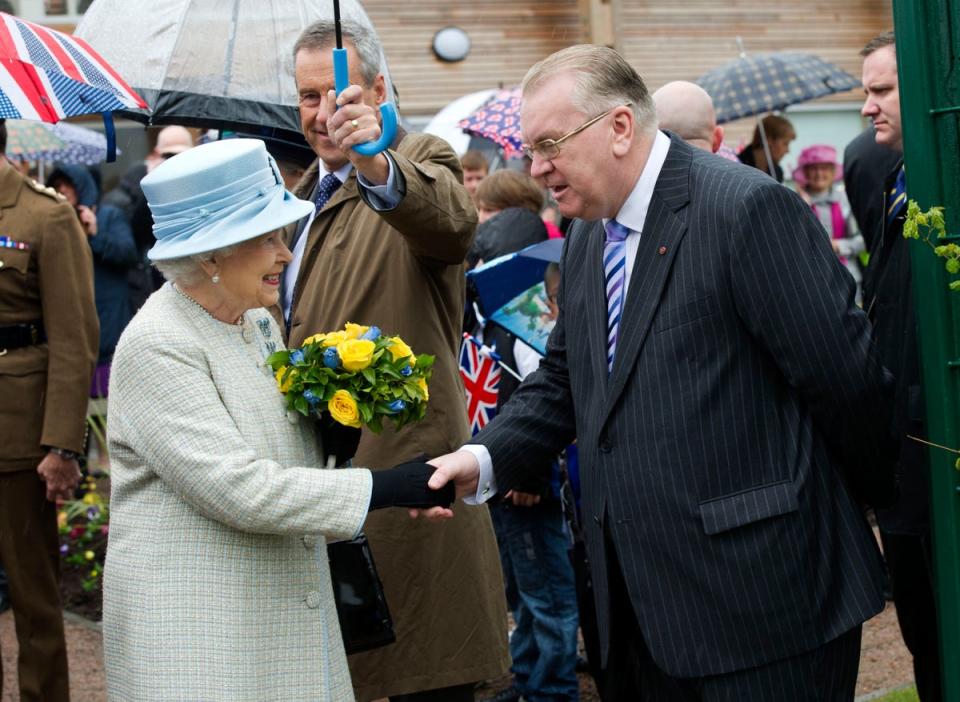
47,76
498,120
62,142
758,83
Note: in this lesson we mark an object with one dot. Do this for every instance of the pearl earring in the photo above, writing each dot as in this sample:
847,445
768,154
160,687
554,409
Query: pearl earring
215,279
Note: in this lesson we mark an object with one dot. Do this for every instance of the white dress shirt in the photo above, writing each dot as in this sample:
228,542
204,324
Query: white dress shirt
632,214
382,197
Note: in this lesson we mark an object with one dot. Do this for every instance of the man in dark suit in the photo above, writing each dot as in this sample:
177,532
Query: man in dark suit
888,300
725,395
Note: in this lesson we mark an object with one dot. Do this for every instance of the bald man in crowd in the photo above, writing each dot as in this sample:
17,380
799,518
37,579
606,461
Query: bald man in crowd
686,109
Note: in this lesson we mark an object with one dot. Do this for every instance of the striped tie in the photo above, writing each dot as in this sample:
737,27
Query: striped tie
897,197
614,269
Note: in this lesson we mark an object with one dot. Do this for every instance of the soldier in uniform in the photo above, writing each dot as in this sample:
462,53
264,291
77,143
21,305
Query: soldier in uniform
48,346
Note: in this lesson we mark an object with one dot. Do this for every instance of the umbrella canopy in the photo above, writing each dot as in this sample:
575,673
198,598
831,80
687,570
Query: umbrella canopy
218,65
758,83
446,123
62,142
498,119
47,76
510,291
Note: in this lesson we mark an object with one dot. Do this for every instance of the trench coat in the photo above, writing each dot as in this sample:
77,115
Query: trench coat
403,271
45,387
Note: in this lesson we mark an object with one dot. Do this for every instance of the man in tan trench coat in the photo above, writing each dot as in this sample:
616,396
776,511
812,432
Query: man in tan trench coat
388,251
48,345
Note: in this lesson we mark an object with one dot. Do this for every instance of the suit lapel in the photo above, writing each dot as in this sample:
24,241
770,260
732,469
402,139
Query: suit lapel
663,230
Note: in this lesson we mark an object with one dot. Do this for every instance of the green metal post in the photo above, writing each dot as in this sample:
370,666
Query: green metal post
928,60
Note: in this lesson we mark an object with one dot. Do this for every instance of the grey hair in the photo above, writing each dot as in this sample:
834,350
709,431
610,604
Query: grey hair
604,80
322,35
188,270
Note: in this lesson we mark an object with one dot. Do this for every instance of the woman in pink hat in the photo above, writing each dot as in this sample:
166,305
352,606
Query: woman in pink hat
816,174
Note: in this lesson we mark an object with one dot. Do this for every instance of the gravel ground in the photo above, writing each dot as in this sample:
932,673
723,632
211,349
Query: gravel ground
884,662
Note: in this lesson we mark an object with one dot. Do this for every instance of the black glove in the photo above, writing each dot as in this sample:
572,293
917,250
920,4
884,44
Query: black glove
405,485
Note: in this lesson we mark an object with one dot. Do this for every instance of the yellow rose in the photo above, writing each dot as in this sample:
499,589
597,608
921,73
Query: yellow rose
89,555
399,349
315,339
423,386
355,331
285,383
343,408
61,519
334,338
356,354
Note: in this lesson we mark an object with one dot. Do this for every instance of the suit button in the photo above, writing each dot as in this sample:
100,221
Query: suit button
605,446
596,519
312,599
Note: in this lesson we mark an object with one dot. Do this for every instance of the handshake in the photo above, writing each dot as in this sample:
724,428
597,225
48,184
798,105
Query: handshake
427,489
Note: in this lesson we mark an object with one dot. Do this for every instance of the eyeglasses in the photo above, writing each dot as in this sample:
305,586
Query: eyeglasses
549,149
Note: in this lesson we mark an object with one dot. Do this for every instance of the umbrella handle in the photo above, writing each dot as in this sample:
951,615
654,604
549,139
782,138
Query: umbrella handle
388,129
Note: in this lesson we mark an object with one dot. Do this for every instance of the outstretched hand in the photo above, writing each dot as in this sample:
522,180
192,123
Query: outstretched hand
461,468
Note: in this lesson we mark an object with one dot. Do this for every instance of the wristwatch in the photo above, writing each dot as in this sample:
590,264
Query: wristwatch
65,454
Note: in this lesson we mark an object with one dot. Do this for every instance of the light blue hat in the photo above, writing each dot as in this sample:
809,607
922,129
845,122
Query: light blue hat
216,195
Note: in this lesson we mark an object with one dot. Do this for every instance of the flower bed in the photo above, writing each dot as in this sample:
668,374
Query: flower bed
84,524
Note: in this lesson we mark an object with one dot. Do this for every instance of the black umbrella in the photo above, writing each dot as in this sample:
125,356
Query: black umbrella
758,83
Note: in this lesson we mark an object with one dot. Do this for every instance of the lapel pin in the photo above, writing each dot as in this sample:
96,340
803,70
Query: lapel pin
662,250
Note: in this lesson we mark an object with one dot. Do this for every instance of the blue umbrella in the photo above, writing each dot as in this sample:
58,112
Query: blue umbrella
510,291
758,83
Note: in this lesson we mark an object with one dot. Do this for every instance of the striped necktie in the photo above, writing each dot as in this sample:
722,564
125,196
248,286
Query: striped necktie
328,186
614,270
897,197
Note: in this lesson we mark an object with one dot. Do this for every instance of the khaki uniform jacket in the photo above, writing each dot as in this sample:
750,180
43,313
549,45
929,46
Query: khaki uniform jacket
403,271
45,387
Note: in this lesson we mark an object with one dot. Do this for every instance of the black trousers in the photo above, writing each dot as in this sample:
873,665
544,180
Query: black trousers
909,563
826,674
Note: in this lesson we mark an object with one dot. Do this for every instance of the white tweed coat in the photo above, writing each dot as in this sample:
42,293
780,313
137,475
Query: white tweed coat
212,587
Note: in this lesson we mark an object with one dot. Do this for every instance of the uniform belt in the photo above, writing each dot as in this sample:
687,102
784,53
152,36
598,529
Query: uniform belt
17,336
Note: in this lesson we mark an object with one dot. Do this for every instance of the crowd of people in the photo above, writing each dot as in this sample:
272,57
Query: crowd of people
733,379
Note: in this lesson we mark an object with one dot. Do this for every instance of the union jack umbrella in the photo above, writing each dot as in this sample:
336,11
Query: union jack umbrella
481,380
47,76
499,121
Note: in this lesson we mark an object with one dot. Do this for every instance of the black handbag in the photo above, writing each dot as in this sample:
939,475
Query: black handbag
365,621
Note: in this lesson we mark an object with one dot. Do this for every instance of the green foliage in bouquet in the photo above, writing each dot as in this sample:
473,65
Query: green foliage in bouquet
83,525
357,376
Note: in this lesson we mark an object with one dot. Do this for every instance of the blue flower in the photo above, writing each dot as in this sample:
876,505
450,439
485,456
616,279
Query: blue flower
372,334
64,549
397,406
406,370
331,359
93,513
296,357
311,397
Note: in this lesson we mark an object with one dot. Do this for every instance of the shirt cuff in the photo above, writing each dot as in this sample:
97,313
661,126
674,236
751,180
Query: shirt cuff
487,484
382,198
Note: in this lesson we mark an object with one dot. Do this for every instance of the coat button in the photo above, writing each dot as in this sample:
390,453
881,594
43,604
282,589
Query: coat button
292,416
312,599
247,334
309,542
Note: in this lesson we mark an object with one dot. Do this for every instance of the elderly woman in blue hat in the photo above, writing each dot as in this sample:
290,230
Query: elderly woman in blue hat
212,586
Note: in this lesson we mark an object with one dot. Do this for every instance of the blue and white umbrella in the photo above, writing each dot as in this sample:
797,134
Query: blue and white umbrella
758,83
61,142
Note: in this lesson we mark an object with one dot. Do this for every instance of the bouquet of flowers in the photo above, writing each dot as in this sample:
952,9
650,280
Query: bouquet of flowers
357,376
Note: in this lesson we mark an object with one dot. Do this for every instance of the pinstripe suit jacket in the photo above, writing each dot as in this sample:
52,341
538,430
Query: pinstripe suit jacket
745,381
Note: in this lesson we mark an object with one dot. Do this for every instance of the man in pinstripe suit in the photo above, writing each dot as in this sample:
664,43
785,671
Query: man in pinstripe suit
725,392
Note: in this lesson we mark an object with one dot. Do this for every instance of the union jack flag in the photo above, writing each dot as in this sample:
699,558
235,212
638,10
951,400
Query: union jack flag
47,75
481,379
